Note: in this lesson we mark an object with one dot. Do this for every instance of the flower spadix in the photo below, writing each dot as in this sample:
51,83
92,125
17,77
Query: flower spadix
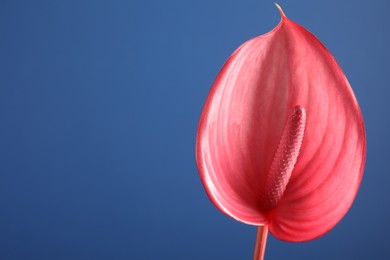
281,139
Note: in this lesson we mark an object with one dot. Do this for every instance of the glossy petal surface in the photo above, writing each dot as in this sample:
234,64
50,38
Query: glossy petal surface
242,124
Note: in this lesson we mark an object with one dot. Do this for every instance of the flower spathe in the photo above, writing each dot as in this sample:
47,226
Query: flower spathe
281,139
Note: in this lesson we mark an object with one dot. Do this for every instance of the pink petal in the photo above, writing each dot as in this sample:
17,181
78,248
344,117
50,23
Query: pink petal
243,122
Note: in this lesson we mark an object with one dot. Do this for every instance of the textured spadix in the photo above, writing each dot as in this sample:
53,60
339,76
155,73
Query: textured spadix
281,139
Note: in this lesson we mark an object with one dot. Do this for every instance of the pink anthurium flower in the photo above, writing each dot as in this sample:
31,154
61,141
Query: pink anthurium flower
281,141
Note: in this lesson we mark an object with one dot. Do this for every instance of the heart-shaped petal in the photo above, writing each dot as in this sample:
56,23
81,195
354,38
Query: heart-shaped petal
262,162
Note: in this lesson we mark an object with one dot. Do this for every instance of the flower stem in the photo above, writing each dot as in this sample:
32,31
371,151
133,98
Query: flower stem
261,241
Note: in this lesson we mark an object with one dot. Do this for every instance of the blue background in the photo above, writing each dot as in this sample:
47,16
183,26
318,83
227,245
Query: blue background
99,103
